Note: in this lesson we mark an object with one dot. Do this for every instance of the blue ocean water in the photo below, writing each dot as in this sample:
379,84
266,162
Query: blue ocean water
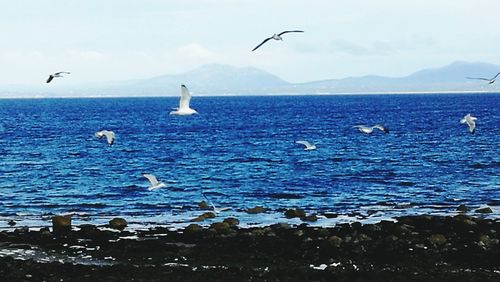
241,152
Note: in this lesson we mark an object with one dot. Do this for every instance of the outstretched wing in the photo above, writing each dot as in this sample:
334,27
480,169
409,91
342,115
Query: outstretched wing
61,72
110,137
305,143
152,179
288,31
50,78
265,40
185,98
495,77
480,78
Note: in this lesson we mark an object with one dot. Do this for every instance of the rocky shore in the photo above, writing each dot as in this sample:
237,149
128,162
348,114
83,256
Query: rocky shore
413,248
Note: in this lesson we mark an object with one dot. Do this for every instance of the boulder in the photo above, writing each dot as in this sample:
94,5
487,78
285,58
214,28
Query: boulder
484,210
437,239
462,208
221,227
335,241
118,223
61,223
291,213
256,210
231,221
310,218
192,228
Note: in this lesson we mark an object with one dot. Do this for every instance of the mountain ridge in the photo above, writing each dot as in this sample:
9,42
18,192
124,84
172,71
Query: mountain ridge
219,79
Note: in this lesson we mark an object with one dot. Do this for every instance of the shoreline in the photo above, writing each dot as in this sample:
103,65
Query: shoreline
413,248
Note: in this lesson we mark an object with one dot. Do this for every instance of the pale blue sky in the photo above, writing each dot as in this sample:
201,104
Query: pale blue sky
110,40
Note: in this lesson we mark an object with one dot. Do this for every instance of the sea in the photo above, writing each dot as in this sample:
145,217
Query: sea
241,153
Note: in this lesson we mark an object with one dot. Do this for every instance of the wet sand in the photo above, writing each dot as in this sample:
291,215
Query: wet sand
414,248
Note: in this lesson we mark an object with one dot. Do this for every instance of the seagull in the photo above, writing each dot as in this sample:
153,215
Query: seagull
110,136
490,80
214,209
184,109
155,184
369,130
275,37
471,122
308,145
57,74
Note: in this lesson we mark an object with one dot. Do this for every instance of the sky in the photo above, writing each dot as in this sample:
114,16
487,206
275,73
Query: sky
113,40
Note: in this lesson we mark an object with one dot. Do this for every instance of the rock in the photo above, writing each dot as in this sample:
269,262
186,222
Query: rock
462,208
231,221
11,223
203,216
61,223
334,241
203,205
192,228
22,230
118,223
485,240
256,210
363,238
310,218
484,210
330,215
221,227
280,226
291,213
437,239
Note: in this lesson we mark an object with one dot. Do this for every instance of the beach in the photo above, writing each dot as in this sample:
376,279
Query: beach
410,248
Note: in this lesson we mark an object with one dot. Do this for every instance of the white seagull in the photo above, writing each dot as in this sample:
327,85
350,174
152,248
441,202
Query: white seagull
490,80
184,109
275,37
369,130
308,146
214,209
57,74
471,122
110,136
155,184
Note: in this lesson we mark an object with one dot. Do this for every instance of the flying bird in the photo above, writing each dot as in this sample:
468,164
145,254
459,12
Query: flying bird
57,74
490,80
155,184
470,121
214,209
110,136
369,130
275,37
308,146
184,109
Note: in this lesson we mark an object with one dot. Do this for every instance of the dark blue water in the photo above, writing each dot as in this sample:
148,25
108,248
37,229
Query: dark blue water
241,152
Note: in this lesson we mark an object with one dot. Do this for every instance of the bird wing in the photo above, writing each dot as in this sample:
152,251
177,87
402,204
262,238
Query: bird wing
61,72
185,98
480,78
50,78
305,143
378,126
288,31
495,76
110,136
152,179
265,40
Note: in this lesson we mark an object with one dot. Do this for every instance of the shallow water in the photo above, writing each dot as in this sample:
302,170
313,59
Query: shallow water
241,152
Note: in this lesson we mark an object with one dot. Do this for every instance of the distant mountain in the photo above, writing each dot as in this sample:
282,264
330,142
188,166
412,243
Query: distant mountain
218,79
213,79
